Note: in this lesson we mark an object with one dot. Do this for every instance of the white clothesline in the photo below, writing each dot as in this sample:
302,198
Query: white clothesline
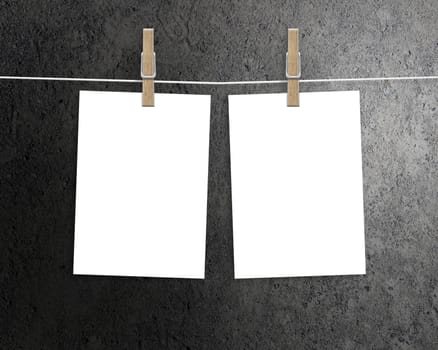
189,82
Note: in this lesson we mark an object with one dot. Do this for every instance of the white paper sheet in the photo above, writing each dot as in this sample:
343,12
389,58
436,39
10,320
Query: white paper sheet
297,185
141,199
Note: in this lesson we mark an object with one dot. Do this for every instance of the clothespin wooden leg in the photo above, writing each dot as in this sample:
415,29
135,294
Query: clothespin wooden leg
148,67
293,68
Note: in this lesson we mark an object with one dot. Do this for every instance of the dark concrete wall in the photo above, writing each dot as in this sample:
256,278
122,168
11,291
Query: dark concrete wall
43,306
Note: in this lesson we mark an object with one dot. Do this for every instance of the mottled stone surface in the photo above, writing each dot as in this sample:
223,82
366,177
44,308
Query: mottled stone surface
43,306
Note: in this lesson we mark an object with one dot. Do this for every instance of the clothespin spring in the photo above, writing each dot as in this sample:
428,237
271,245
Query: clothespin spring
154,74
288,76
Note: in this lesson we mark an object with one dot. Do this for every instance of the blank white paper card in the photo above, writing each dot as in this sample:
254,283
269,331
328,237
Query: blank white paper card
297,185
141,195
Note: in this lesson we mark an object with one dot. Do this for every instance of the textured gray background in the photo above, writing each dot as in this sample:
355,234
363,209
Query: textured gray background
43,306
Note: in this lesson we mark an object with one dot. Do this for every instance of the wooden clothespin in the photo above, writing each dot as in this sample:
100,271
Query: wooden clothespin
293,68
148,67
